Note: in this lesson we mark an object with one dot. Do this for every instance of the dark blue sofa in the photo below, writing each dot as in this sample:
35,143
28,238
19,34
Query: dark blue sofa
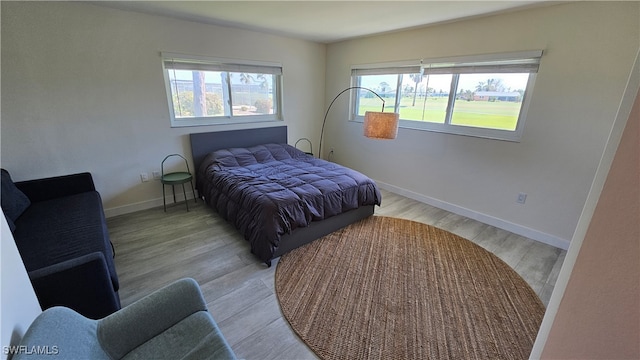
61,233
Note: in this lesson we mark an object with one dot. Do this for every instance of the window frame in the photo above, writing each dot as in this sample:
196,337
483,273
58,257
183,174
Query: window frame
171,61
492,63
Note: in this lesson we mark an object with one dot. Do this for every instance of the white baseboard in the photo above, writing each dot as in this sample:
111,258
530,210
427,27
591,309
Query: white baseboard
144,205
487,219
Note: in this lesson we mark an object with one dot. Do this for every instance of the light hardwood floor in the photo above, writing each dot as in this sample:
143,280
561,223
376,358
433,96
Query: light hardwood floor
154,248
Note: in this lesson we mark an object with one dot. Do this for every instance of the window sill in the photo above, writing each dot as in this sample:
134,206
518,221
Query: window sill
223,120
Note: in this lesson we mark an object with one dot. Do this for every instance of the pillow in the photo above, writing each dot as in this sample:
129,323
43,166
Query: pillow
14,201
224,158
262,153
296,153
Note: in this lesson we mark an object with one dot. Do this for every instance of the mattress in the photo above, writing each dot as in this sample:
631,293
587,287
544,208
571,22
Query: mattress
270,190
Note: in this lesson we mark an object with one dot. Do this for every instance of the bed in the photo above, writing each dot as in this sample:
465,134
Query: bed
277,196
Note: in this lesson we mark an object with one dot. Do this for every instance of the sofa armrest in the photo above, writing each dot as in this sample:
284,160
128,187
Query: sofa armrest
125,330
55,187
82,284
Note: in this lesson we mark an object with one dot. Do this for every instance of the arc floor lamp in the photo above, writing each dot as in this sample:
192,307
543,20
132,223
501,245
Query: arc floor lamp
377,125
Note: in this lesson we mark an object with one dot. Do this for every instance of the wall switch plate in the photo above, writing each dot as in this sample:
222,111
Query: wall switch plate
522,198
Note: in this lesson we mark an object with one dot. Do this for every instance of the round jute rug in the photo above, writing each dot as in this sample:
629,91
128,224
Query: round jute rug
388,288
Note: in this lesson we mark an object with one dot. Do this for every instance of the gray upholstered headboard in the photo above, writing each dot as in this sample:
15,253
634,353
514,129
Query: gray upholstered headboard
204,143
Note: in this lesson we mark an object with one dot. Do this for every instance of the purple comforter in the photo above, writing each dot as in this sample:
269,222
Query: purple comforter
270,190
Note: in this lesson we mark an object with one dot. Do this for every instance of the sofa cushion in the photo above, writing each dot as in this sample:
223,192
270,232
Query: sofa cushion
60,229
14,201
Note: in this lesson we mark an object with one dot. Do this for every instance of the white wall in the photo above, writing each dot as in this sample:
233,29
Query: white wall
589,51
593,311
83,90
18,302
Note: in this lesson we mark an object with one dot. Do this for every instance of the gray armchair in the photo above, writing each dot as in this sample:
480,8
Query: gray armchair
171,323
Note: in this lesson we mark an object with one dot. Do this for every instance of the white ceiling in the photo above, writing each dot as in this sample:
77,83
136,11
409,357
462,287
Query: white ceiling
322,21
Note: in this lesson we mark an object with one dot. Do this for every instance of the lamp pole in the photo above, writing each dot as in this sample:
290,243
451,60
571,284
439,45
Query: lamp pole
334,100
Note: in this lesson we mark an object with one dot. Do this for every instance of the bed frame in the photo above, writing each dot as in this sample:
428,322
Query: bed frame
205,143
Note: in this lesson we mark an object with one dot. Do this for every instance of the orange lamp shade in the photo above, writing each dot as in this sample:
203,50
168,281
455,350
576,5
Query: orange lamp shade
381,125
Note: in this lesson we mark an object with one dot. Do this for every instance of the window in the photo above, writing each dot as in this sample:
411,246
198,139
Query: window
205,91
485,95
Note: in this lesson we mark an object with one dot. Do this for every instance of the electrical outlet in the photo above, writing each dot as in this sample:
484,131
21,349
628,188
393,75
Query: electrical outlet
156,175
522,198
144,177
